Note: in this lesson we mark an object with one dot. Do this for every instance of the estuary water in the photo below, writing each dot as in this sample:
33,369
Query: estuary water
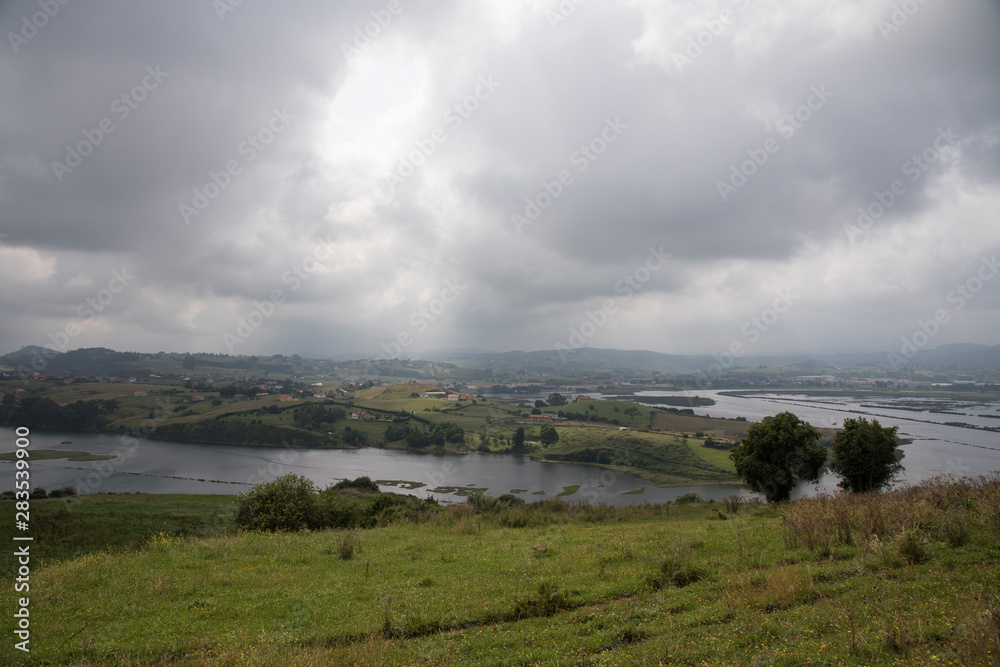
937,448
155,466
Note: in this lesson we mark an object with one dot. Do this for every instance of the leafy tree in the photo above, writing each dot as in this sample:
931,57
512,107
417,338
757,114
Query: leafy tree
540,404
284,504
519,439
864,455
549,435
555,400
777,453
396,433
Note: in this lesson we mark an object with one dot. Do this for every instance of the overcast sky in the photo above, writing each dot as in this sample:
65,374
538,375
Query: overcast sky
268,178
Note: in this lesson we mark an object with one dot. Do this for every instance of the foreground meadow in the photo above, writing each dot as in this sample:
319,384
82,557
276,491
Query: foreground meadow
904,578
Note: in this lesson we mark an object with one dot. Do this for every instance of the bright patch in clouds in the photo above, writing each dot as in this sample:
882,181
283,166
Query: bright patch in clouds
700,84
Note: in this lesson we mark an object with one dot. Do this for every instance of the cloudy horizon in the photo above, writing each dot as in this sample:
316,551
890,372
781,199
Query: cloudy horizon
396,177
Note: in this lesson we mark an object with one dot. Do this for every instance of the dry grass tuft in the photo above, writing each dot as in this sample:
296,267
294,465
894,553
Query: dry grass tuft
943,508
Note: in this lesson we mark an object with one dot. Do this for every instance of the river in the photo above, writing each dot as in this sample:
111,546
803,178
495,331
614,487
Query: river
937,448
154,466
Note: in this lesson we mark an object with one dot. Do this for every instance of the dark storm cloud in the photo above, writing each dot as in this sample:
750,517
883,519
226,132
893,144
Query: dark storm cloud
803,113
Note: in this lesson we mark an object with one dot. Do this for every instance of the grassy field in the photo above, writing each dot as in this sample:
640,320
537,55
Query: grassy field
70,527
905,578
661,458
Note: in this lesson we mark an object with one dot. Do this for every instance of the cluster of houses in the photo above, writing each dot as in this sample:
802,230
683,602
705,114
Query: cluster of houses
454,398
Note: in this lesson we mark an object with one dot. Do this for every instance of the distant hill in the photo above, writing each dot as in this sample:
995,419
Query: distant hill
85,361
960,356
619,361
476,364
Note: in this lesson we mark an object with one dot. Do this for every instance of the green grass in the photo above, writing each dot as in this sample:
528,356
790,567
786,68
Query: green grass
68,527
53,454
609,409
716,457
578,585
662,458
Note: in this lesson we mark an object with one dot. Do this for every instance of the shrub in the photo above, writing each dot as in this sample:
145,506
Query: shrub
510,500
388,508
484,503
956,528
341,510
63,492
360,484
911,545
287,503
686,498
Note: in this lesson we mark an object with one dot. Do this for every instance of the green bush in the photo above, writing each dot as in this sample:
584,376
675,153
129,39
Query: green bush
361,484
686,498
287,503
342,510
483,503
912,546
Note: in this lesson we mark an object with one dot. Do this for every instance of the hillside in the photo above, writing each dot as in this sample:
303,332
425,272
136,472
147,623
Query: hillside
907,578
390,416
